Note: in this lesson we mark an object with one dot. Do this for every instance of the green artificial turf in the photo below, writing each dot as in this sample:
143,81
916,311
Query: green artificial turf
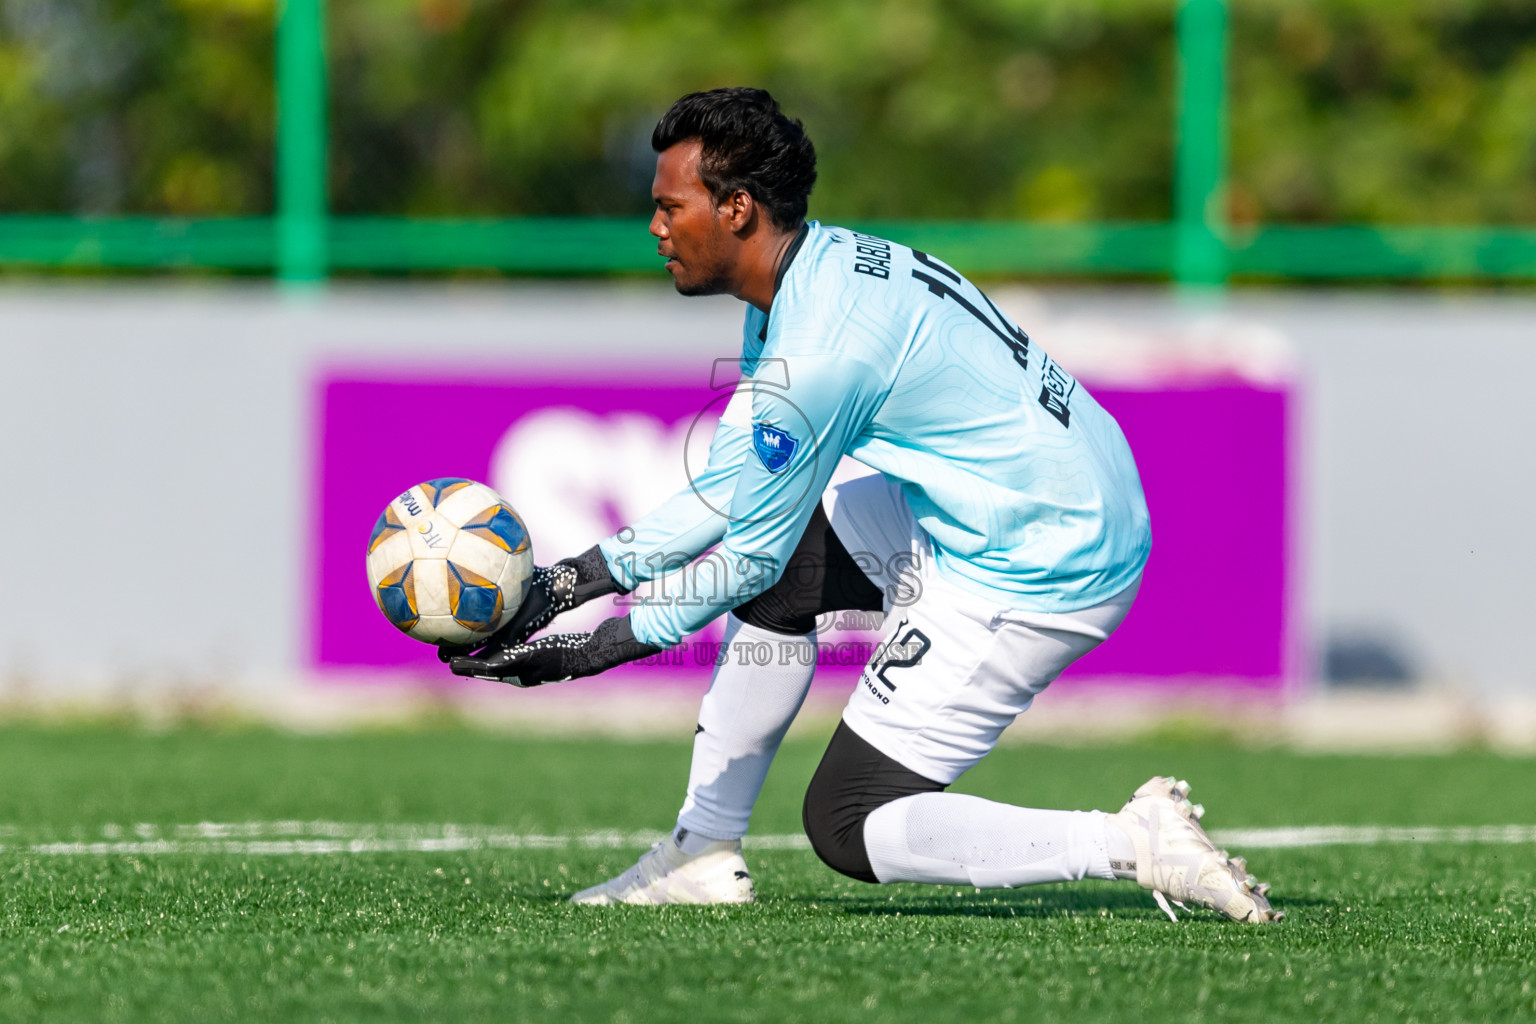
1390,933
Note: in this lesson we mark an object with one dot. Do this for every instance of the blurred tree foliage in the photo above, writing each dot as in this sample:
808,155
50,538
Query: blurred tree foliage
1384,111
978,108
1342,110
136,106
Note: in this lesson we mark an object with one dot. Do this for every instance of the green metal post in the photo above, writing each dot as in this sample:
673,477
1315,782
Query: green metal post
1200,162
301,156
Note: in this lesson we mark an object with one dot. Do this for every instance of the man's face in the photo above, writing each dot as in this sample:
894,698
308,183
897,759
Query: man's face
689,227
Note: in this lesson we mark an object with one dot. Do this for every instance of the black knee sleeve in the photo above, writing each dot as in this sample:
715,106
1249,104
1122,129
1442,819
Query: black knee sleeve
821,576
853,779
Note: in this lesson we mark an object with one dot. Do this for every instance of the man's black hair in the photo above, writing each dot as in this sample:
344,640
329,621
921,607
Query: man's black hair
747,144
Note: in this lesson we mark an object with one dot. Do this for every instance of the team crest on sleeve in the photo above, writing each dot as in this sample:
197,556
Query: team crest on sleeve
774,447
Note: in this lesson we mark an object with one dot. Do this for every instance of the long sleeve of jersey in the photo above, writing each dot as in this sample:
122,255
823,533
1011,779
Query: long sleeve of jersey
798,434
681,528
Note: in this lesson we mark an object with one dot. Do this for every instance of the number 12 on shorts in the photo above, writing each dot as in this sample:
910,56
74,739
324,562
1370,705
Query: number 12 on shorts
903,651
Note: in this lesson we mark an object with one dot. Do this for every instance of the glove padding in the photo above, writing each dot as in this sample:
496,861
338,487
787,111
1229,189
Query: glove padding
554,659
552,589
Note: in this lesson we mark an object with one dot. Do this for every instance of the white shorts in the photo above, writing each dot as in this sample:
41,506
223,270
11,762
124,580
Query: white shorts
953,670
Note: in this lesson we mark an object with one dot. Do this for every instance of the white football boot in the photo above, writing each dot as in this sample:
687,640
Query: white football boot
716,874
1178,861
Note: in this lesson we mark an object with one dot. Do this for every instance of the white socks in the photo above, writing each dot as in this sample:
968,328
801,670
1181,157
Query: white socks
1122,850
951,839
944,838
742,721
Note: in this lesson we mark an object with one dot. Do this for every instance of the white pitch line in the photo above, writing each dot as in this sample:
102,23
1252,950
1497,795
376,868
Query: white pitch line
278,838
326,837
1372,835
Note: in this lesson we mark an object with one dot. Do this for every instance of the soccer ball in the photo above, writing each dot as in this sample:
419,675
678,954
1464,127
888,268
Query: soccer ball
449,561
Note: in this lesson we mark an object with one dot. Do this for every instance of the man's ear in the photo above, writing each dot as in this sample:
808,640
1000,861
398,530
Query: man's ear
738,211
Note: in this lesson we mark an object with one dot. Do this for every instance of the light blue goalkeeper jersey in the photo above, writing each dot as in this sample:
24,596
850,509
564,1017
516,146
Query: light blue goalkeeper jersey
883,353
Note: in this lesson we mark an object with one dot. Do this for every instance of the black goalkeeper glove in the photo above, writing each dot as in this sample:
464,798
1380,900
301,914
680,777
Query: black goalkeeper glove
552,589
554,659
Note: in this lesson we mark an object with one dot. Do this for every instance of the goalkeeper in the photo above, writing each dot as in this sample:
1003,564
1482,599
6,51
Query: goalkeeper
1002,531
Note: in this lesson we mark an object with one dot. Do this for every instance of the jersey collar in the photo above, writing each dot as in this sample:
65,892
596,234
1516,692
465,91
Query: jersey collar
778,279
789,256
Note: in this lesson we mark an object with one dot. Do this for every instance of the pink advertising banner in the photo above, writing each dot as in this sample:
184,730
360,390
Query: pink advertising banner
579,458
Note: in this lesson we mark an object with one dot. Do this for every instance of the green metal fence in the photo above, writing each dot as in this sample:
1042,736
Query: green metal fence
303,243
